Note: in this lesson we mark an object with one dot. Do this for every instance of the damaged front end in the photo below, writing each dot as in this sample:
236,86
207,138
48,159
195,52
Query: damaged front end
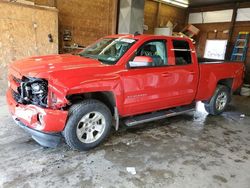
30,103
38,92
31,91
37,103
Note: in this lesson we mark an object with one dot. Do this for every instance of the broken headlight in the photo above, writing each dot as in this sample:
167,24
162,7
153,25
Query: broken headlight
33,91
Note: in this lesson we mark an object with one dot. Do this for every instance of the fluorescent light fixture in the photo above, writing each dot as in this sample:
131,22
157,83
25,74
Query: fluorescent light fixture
180,3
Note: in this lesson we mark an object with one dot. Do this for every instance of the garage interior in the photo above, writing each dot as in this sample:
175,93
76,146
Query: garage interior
190,150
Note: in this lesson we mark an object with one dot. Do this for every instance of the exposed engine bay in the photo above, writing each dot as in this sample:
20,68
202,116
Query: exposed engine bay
31,91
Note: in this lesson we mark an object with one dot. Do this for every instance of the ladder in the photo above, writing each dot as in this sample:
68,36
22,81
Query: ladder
240,47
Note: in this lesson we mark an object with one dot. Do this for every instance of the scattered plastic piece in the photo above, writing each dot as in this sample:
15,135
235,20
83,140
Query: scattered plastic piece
242,115
128,144
131,170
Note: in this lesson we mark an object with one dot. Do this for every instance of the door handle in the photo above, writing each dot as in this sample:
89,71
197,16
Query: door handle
192,73
166,74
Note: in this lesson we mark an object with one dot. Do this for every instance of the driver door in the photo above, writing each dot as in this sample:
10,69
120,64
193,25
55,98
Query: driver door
149,88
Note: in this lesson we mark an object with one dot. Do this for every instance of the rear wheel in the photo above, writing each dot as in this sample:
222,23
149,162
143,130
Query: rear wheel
219,101
88,125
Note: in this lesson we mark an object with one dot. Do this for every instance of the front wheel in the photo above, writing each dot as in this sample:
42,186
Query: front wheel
88,125
219,101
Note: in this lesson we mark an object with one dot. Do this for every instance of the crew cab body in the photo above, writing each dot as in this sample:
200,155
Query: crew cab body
144,73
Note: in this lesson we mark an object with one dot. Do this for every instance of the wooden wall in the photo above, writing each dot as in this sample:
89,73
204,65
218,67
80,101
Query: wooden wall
50,3
87,20
207,32
24,32
158,14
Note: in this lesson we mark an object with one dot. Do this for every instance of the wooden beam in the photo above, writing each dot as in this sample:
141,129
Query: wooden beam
211,8
115,16
231,31
158,15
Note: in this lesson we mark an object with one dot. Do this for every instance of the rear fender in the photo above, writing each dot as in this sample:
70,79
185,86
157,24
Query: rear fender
228,82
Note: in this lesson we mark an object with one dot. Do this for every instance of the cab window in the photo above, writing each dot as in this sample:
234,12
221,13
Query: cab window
156,50
182,52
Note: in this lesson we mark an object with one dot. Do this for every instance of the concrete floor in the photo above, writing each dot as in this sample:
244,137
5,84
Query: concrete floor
192,150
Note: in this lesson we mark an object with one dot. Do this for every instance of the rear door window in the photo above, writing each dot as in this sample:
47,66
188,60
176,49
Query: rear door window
182,52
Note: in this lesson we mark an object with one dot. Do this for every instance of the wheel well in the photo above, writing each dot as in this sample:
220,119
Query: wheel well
106,97
226,82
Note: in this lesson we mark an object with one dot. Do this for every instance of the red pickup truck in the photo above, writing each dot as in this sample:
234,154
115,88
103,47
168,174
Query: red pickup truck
130,78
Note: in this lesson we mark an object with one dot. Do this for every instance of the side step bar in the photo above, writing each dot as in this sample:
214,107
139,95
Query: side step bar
135,120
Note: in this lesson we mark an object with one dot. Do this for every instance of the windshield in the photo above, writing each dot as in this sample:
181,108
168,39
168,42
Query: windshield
108,50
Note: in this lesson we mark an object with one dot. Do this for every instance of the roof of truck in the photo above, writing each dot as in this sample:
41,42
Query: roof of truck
142,36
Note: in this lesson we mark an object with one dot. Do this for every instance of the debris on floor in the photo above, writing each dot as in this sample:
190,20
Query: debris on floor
242,115
131,170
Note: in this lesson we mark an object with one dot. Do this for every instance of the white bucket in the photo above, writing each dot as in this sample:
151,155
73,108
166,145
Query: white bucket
245,90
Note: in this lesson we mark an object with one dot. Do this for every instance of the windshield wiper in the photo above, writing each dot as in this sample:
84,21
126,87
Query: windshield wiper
106,61
88,56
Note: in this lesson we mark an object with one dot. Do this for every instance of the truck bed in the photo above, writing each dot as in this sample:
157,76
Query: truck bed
211,61
214,72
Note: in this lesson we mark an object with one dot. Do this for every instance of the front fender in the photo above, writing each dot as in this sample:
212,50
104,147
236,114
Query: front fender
103,84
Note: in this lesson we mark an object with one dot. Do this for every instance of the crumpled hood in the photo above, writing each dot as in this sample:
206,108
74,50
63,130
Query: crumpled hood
52,63
67,73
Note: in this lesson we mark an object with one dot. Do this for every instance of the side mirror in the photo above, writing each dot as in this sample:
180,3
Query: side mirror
141,61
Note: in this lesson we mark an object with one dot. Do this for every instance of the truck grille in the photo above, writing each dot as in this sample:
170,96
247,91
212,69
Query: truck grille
16,96
17,80
30,90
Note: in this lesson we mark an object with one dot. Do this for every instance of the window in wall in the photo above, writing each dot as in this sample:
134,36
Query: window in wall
182,52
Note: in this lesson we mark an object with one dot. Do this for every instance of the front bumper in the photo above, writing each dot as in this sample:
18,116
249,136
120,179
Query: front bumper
40,122
50,140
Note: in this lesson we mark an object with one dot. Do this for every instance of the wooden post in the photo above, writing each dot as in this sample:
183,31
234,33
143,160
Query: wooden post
231,31
158,15
114,16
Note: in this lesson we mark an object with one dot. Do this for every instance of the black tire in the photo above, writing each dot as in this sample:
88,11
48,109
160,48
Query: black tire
76,112
211,106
